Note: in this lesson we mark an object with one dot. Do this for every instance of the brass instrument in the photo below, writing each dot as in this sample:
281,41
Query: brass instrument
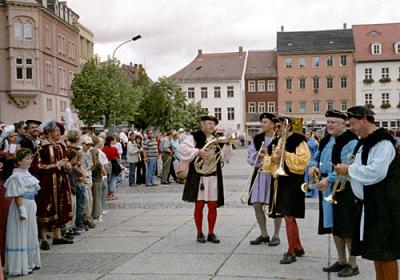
312,182
206,166
282,143
249,188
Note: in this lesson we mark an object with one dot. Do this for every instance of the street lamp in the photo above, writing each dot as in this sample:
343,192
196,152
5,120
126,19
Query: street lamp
137,37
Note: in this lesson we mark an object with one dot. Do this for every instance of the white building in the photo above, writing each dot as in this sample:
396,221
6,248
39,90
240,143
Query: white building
217,81
377,57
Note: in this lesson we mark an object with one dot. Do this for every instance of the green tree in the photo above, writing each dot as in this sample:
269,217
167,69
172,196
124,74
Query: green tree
102,91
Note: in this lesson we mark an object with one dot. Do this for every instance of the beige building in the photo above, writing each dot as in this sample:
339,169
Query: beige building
85,44
39,56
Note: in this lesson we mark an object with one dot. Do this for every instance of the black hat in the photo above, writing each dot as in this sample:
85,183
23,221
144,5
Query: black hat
269,116
28,122
283,118
359,112
209,118
336,114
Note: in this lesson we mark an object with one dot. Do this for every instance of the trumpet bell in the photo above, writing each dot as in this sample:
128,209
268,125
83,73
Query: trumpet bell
330,199
305,187
280,172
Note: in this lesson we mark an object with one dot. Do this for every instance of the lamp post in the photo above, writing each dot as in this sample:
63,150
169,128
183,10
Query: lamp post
135,38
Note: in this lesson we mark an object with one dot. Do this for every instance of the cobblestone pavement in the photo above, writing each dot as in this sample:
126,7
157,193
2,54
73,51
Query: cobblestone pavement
149,233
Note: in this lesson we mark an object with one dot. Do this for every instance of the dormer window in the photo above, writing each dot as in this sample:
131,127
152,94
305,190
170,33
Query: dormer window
376,48
397,47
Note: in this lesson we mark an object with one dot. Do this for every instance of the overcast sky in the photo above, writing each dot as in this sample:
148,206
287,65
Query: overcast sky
173,30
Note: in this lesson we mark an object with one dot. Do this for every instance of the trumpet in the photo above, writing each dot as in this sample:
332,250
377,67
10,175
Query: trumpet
339,180
312,182
248,188
281,170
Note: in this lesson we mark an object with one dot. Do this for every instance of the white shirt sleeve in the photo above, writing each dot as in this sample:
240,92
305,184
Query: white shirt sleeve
187,149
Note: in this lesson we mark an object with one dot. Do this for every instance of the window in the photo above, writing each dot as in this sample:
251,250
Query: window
261,86
59,42
271,107
329,105
302,83
252,86
204,93
343,82
289,107
302,108
28,31
231,113
218,113
385,73
69,48
302,62
315,61
385,124
288,62
397,47
252,107
368,98
288,84
191,93
315,83
271,85
19,69
205,111
49,103
28,69
49,74
18,30
63,106
399,72
343,60
343,105
230,92
261,107
329,61
217,92
315,106
376,48
63,45
368,73
47,37
329,82
71,78
385,98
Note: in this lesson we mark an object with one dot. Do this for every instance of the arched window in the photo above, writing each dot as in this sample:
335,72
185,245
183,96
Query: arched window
376,48
397,47
28,31
23,29
18,30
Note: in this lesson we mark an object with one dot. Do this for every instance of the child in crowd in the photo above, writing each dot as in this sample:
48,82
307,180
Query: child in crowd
22,245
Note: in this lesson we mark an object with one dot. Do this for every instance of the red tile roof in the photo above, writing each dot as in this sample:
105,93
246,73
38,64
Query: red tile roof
364,35
213,67
261,64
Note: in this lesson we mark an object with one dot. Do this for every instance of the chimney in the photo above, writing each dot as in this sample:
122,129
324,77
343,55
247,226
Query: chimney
199,52
344,25
282,28
240,49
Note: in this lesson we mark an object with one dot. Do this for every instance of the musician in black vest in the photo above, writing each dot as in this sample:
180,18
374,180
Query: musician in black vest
287,198
336,147
375,177
203,189
32,140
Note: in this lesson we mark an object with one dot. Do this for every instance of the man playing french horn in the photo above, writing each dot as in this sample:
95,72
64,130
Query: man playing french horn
287,163
259,190
204,187
337,209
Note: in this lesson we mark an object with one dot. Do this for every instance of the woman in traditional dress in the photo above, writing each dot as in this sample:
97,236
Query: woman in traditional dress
22,246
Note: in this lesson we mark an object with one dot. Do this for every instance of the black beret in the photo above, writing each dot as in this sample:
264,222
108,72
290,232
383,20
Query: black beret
209,118
336,114
359,112
27,122
267,116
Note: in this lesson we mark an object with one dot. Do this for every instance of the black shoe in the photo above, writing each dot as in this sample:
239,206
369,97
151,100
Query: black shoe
348,271
299,252
62,241
201,238
68,235
275,241
287,259
44,245
259,240
336,267
213,239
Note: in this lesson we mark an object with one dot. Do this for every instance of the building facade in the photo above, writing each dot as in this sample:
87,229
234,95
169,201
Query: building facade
316,73
217,81
377,57
39,55
85,44
260,87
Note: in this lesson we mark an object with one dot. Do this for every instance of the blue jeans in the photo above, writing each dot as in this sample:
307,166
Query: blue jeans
112,183
151,169
80,206
132,172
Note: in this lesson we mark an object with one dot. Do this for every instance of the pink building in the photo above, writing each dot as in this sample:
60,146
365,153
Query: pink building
39,43
316,73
